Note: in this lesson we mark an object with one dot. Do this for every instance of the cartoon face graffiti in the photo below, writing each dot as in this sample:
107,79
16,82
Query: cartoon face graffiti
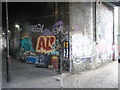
45,43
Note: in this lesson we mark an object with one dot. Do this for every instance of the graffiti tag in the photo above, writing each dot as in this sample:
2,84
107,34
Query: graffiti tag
45,43
36,59
57,27
37,28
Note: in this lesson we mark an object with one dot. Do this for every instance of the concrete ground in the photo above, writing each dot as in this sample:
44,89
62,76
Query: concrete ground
28,76
103,77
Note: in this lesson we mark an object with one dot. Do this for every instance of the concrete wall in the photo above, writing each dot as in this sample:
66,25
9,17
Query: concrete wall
81,22
118,38
116,31
87,53
43,43
104,33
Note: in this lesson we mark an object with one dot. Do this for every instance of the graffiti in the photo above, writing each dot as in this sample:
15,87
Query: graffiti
42,60
37,59
80,60
47,32
65,44
54,48
48,45
37,28
54,62
55,53
45,43
26,50
58,27
65,50
26,45
31,59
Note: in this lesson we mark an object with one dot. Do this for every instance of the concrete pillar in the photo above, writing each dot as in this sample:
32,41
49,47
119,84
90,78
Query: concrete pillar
118,37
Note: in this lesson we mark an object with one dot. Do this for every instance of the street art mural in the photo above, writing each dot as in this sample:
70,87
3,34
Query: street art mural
45,43
26,49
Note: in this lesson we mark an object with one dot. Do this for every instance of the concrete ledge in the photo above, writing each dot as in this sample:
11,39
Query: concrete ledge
60,78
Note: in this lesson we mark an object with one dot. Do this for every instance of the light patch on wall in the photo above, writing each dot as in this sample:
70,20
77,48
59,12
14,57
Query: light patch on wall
81,46
76,45
87,45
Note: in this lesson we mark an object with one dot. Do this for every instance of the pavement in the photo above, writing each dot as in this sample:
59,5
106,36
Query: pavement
25,75
28,76
102,77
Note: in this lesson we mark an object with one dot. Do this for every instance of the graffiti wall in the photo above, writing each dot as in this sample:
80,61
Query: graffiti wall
26,49
48,45
88,51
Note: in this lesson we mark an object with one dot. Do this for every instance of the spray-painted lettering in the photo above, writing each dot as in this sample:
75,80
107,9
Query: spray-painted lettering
45,43
37,28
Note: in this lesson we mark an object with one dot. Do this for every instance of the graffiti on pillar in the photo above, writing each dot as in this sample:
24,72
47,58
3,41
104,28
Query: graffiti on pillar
45,43
65,50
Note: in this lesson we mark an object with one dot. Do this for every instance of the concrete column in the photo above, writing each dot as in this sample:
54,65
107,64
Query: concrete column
118,36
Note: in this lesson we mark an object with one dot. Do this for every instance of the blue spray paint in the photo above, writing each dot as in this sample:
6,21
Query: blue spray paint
37,59
26,45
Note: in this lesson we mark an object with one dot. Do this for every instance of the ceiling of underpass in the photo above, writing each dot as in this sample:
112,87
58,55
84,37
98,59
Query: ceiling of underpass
114,4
